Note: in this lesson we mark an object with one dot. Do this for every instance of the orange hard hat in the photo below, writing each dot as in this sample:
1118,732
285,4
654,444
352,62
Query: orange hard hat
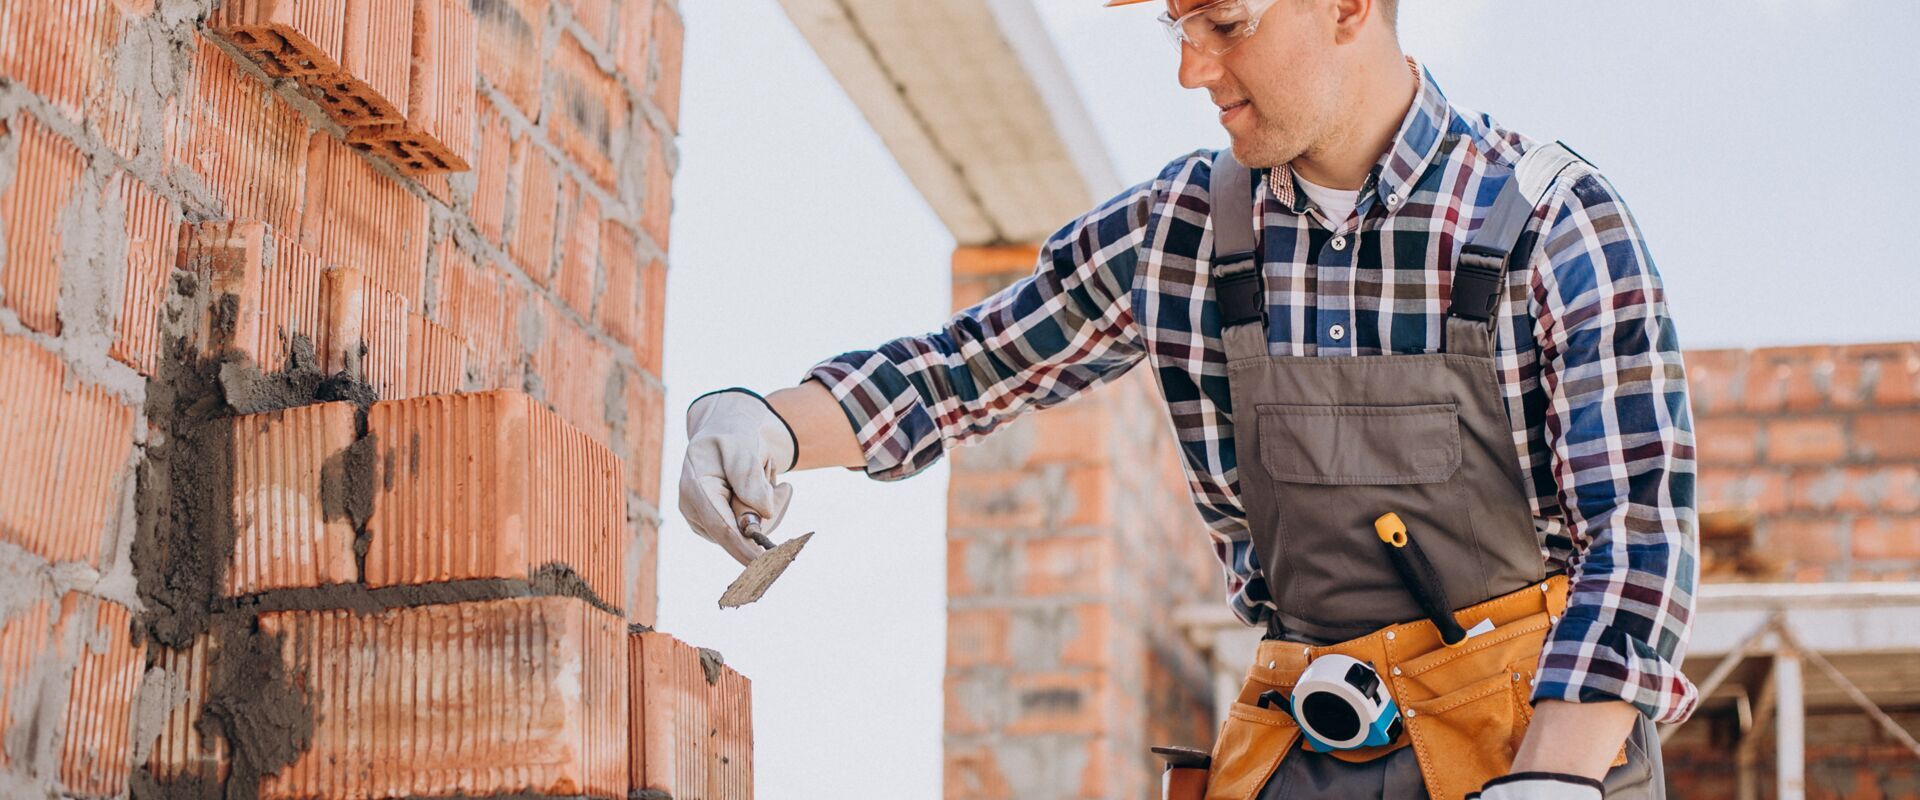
1112,3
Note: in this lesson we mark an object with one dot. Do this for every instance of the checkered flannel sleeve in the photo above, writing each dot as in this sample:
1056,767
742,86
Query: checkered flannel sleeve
1064,328
1620,434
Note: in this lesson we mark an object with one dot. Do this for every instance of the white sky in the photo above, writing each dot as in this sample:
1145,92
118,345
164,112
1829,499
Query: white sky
1760,145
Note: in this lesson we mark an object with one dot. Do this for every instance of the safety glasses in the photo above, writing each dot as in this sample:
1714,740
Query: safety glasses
1216,27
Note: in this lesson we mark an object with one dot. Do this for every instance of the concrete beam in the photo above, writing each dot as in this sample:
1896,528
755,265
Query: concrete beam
973,101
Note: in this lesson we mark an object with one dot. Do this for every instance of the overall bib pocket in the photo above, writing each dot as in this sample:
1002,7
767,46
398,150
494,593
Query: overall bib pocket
1335,469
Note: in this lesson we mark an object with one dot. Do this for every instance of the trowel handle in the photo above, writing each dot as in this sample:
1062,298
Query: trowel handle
750,527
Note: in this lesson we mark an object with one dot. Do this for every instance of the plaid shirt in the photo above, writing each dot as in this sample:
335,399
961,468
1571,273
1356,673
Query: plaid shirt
1586,356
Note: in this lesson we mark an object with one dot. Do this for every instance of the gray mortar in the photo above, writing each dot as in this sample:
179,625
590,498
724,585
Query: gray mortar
9,161
21,585
187,787
613,406
252,702
93,273
710,663
552,580
161,691
346,488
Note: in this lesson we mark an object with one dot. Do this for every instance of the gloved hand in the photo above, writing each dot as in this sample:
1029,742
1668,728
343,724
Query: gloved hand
736,445
1539,786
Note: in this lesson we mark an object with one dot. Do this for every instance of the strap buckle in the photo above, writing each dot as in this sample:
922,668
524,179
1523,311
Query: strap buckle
1476,283
1237,289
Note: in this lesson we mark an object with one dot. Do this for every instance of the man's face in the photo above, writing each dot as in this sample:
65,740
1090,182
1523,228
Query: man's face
1277,88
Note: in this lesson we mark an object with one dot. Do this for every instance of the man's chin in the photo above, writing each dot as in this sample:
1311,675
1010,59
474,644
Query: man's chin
1256,154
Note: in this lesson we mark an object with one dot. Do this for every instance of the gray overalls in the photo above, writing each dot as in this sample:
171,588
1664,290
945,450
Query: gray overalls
1327,444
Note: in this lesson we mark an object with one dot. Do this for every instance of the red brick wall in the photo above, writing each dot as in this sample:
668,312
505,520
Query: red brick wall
1822,445
331,407
1070,543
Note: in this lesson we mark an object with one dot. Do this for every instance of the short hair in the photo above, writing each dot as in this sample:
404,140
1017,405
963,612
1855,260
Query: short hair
1391,9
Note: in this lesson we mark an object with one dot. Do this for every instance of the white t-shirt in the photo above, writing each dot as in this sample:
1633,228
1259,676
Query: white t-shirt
1335,204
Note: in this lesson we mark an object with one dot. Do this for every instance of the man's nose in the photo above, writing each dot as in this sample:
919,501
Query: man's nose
1197,69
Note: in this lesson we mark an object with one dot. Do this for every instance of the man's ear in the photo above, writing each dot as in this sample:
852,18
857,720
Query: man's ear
1349,18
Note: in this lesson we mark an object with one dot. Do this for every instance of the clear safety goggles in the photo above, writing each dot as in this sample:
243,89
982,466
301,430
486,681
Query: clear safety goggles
1216,27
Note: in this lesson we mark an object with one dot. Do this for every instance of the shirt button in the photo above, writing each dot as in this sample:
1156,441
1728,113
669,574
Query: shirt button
1338,332
1393,200
1339,242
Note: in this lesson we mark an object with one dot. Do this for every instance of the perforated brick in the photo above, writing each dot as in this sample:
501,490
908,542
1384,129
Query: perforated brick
579,274
477,699
669,34
370,87
266,291
510,35
437,133
482,307
285,37
587,111
23,635
66,449
538,196
46,176
59,49
357,217
491,485
490,174
96,741
692,722
153,239
290,484
241,141
574,371
180,753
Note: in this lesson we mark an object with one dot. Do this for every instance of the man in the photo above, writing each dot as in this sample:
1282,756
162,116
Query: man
1542,441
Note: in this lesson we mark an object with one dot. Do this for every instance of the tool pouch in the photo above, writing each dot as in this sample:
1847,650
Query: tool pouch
1186,775
1465,708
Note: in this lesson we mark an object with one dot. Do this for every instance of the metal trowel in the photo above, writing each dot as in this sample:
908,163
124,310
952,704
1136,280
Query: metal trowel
765,568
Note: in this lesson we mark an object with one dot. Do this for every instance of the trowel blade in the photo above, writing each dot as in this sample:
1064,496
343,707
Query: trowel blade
762,572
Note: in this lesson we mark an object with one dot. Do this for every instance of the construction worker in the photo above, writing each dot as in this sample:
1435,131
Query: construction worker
1428,397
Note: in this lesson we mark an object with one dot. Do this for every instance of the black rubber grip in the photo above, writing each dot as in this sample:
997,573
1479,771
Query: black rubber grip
1424,582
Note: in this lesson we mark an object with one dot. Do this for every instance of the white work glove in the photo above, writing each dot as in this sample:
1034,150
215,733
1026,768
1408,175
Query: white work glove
736,445
1539,786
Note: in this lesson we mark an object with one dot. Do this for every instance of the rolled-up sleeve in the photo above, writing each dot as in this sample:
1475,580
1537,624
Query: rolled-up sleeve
1620,431
1064,328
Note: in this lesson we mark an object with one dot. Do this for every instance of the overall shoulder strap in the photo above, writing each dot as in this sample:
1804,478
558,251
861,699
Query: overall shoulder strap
1480,272
1236,268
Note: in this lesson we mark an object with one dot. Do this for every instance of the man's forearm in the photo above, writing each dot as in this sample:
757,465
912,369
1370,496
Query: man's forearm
1574,738
820,426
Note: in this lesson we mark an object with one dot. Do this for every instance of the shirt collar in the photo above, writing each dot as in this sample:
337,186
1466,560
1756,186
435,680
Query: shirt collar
1400,167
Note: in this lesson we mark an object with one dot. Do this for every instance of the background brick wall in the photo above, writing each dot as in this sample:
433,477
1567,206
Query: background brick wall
1070,544
1818,449
330,345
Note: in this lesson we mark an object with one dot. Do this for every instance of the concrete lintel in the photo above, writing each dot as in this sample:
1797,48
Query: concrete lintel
971,98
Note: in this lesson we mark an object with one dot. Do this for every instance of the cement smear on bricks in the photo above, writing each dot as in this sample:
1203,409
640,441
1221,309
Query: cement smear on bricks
266,719
710,663
347,490
186,534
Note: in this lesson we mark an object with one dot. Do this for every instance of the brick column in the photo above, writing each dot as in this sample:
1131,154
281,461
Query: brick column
1070,542
330,401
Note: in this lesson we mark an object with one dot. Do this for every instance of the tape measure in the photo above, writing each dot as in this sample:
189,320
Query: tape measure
1341,703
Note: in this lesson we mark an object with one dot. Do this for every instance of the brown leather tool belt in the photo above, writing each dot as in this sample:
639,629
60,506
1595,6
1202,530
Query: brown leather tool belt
1465,708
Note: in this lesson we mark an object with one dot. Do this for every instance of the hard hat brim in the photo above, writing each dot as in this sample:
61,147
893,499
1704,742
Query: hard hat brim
1112,3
